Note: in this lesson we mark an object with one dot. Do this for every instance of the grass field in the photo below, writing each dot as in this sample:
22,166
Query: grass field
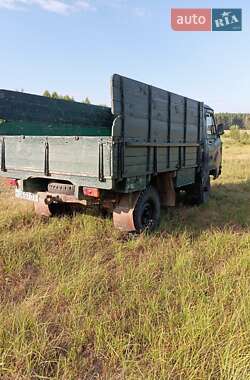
80,300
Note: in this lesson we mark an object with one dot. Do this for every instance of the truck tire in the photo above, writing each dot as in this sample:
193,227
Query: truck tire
147,211
199,193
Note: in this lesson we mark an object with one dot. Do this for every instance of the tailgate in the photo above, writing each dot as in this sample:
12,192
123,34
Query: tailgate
57,156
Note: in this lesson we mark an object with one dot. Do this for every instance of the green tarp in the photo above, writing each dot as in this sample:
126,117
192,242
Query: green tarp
26,114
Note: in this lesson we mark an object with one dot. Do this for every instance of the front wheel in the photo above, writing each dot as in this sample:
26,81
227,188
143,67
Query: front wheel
199,193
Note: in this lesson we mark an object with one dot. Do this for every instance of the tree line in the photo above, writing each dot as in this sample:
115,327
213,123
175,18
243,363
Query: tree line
242,120
55,95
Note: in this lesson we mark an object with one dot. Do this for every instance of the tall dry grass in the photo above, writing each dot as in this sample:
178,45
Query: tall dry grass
80,300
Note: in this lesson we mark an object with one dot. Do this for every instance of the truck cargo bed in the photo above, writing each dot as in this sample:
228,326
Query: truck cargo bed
147,131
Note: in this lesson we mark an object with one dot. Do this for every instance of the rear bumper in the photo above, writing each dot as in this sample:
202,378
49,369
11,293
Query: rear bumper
49,198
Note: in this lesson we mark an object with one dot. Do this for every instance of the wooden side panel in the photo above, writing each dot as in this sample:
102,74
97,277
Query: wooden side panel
159,115
185,177
130,99
25,154
192,121
74,156
152,115
177,119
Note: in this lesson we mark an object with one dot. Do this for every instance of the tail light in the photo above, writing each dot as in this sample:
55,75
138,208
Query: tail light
12,182
91,192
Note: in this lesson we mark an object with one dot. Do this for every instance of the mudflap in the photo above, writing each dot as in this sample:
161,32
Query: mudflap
165,186
123,213
41,209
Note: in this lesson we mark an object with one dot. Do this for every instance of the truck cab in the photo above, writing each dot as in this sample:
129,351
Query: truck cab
213,141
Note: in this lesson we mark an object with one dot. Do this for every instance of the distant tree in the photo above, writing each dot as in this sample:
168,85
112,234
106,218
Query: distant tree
68,98
55,95
47,94
242,120
239,120
86,101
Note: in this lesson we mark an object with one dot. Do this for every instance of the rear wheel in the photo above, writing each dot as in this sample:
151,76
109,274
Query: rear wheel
147,211
139,211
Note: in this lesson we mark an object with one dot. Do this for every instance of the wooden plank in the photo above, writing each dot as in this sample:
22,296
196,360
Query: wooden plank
135,151
140,171
160,145
136,160
135,128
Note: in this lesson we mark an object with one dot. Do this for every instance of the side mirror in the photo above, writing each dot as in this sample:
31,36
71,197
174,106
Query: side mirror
220,129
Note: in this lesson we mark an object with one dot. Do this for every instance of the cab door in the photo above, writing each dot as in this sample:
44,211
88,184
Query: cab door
214,145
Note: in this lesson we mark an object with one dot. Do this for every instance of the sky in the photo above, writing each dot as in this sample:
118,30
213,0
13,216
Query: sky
74,46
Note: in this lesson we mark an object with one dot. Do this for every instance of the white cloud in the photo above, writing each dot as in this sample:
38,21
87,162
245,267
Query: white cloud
113,3
125,5
65,7
56,6
84,5
141,12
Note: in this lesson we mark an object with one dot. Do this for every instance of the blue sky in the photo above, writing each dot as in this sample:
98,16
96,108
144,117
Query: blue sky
75,46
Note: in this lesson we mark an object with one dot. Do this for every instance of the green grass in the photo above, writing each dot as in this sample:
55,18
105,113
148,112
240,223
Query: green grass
80,300
239,136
